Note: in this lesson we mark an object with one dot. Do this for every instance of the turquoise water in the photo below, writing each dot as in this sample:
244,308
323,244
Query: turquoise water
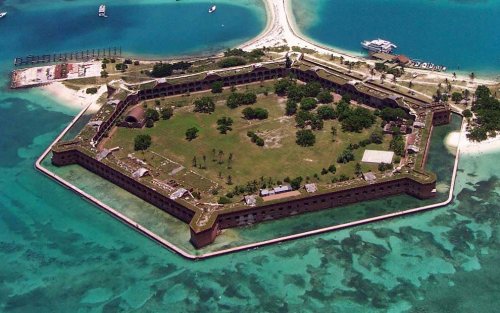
62,254
462,34
440,161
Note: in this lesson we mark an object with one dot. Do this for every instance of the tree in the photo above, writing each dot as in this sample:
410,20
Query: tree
311,89
224,124
231,62
142,142
217,87
357,169
332,169
472,76
377,137
291,107
467,113
390,114
229,180
161,70
152,114
166,113
325,97
204,105
397,145
382,78
194,162
357,120
236,99
257,113
295,183
334,133
282,85
305,138
456,97
295,92
345,156
326,112
191,133
308,104
104,74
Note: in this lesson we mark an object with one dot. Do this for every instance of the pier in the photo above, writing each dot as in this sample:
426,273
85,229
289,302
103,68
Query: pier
82,55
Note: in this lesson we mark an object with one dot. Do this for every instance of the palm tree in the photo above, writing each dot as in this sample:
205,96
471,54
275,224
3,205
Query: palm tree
472,76
454,75
204,161
382,77
394,79
194,161
372,72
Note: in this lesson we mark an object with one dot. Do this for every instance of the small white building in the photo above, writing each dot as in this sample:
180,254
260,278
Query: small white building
377,156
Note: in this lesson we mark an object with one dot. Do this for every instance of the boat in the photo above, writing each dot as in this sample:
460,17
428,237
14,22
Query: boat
102,11
212,9
2,14
378,45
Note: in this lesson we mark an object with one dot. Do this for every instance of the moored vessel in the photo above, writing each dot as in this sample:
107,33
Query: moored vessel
2,14
212,9
378,45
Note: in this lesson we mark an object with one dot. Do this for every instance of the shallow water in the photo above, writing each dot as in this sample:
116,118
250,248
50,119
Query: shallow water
61,254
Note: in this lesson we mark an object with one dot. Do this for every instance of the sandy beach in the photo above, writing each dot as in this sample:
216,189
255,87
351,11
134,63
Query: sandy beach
77,99
455,139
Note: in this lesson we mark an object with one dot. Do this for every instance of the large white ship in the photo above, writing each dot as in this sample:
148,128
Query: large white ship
379,45
212,9
2,14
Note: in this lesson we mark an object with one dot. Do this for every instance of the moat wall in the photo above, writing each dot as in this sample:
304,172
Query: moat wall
250,215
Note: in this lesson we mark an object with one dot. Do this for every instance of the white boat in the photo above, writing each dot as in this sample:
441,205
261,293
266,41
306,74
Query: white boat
102,11
2,14
212,9
378,45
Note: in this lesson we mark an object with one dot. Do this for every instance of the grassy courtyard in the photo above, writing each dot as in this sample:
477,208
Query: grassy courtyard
280,157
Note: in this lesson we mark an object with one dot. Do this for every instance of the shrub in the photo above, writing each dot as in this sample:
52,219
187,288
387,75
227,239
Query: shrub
377,137
308,104
217,87
257,113
224,200
231,61
91,90
166,113
191,133
142,142
305,138
204,105
332,169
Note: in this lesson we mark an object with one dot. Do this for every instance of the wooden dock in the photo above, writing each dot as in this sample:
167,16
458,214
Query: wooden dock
82,55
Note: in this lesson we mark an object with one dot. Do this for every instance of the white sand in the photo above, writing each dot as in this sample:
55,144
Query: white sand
459,139
72,98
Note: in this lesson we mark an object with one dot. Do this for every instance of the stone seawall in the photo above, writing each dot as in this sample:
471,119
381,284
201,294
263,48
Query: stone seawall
250,215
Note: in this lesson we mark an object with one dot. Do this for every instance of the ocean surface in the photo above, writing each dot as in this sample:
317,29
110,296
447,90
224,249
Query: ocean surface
463,35
61,254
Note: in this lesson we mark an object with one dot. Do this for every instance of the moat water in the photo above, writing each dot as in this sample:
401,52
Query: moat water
62,254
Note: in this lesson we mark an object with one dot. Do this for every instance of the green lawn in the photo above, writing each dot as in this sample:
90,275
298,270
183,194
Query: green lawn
279,158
